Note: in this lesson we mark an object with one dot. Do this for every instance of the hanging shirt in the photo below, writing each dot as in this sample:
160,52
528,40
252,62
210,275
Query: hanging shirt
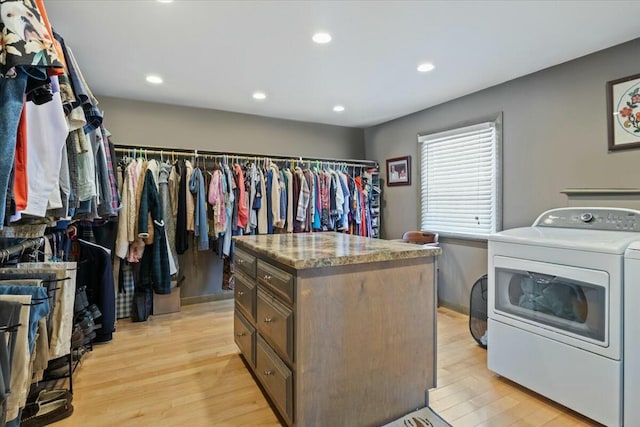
283,199
254,179
216,200
229,200
125,232
182,238
290,207
174,185
261,196
86,166
196,186
317,216
269,200
308,222
20,183
243,213
303,201
191,206
275,196
46,135
343,181
25,39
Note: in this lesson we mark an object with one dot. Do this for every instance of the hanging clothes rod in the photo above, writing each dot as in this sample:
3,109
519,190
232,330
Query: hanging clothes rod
128,149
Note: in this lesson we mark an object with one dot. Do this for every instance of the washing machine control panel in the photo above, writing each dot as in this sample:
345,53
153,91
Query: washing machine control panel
612,219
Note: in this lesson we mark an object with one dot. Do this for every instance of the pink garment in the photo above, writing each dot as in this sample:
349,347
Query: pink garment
243,211
216,200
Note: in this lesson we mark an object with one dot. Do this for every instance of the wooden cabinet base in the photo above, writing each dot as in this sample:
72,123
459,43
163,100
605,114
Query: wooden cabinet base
360,349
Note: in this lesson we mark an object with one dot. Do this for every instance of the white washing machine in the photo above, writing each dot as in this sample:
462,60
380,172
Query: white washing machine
556,307
632,336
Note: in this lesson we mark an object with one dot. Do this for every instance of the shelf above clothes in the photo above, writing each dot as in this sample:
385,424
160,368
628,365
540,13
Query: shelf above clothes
600,191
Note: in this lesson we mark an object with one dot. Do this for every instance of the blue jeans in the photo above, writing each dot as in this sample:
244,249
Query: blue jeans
11,102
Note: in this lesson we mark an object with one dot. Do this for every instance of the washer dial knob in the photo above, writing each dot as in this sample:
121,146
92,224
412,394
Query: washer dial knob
586,217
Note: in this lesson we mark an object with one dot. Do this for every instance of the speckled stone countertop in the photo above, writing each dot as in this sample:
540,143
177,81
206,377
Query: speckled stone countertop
312,250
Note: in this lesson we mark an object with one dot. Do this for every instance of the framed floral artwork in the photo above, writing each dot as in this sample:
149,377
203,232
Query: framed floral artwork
623,113
399,171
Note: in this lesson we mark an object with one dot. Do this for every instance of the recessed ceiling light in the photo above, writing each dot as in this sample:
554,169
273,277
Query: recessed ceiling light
338,108
153,79
259,95
321,38
427,66
164,1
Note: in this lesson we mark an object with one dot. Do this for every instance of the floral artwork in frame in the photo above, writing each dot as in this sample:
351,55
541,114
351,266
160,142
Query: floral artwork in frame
399,171
623,113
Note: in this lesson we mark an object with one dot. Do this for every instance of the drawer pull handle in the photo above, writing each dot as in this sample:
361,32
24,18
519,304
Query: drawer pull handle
241,334
240,261
267,372
240,293
267,277
268,320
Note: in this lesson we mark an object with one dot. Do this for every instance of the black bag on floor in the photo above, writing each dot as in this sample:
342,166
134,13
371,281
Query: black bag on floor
142,304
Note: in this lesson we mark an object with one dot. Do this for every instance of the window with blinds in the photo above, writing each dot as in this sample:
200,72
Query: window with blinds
460,181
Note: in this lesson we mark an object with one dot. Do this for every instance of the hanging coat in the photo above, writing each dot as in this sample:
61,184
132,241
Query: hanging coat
154,266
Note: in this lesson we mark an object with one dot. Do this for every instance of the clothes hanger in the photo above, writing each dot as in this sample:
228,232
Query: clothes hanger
34,304
55,281
10,328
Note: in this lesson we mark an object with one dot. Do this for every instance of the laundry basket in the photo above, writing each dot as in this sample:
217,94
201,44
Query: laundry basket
478,311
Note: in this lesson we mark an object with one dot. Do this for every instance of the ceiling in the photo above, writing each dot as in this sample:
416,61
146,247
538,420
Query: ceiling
215,54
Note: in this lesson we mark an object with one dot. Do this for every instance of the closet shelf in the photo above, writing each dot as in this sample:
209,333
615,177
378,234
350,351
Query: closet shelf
600,191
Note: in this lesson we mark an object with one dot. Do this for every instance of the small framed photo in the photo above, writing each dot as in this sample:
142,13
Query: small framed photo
399,171
623,113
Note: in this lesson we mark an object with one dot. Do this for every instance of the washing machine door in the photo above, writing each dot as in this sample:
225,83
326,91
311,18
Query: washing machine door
562,302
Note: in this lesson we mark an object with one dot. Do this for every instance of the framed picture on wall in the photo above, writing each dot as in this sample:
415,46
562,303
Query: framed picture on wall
399,171
623,113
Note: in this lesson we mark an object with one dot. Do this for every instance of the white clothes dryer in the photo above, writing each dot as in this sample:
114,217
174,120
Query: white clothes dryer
556,307
632,336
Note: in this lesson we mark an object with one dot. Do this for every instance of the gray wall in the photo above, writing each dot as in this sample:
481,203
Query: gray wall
150,124
554,137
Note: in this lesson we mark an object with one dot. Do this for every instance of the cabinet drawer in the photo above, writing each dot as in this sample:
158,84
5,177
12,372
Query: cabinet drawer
245,337
245,295
278,280
276,378
275,322
245,262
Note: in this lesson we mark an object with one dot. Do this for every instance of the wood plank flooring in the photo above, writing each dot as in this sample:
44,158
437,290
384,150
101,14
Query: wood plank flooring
183,369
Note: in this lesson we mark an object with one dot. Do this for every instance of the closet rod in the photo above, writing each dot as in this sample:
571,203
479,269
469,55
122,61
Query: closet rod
128,149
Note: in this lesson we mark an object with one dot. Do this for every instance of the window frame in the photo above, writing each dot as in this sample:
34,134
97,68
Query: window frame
496,120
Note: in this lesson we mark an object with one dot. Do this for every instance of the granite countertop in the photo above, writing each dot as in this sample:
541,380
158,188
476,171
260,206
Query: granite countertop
312,250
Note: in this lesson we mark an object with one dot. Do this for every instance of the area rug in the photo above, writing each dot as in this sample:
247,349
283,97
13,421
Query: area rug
424,417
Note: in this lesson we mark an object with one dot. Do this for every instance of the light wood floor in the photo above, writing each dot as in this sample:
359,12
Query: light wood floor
183,369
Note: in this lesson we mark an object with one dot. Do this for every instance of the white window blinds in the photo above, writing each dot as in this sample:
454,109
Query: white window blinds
460,181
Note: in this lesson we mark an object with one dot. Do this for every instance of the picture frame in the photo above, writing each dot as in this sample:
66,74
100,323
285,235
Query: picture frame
399,171
623,113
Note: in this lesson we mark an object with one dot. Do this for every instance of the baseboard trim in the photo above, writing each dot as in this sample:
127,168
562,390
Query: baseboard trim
455,307
206,298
